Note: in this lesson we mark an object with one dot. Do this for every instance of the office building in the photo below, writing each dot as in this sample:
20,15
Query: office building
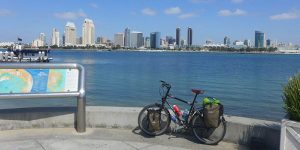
247,43
269,43
101,40
88,32
137,39
147,42
226,41
178,37
127,38
79,41
55,37
190,37
119,39
37,43
183,43
70,34
259,39
238,43
98,40
155,40
42,38
170,40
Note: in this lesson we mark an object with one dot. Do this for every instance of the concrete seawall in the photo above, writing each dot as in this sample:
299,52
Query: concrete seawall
240,130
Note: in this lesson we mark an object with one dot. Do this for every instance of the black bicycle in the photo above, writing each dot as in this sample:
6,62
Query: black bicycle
194,118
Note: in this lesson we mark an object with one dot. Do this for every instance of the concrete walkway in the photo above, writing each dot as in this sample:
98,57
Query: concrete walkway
100,138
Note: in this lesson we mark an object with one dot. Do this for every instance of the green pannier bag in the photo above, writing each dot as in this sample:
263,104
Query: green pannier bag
212,110
153,117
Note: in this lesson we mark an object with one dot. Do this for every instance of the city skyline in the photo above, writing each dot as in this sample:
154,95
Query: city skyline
209,19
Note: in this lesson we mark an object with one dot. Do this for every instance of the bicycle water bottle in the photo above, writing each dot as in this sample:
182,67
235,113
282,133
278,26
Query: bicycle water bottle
185,114
173,118
177,110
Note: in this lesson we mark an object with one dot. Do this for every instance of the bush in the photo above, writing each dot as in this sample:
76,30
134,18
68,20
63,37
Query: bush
291,97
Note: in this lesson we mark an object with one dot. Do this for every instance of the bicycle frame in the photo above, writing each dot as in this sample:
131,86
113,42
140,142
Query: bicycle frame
191,104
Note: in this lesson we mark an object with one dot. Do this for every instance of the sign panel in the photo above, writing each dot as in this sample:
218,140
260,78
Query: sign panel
38,80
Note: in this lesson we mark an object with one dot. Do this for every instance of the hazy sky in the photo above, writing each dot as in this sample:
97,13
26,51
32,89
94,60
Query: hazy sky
210,19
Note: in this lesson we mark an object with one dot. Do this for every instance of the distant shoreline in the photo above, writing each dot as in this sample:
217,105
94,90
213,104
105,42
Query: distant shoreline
176,51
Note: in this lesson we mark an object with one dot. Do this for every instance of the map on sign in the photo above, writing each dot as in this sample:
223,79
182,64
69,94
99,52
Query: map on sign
38,80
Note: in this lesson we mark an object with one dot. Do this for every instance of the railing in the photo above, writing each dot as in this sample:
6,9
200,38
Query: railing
75,88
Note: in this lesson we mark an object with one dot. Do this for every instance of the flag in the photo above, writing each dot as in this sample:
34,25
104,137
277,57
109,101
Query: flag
19,39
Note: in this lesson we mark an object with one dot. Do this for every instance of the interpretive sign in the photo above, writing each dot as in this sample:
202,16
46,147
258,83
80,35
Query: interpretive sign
47,80
38,80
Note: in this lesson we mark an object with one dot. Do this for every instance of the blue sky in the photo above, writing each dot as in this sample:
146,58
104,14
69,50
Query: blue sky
210,19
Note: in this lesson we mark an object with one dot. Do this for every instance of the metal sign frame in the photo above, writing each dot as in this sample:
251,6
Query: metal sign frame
80,94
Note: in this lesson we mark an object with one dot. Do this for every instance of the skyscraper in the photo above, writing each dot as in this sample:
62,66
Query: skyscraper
43,39
88,32
226,41
155,40
190,37
137,39
119,39
55,37
259,39
70,34
127,38
178,37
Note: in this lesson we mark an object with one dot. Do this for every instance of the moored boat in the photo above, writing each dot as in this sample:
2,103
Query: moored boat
18,53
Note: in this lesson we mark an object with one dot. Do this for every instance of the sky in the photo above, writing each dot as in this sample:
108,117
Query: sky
209,19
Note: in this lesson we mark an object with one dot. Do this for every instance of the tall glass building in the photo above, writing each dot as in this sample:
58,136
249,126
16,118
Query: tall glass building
226,41
190,37
155,40
259,39
127,38
178,37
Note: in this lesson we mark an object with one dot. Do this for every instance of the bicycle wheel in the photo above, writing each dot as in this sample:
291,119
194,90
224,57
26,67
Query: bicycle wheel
210,136
164,122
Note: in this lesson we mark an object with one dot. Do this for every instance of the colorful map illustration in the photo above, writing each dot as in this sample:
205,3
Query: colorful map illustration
38,80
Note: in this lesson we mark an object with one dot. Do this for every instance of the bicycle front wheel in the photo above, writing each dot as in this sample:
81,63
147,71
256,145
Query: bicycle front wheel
164,119
206,135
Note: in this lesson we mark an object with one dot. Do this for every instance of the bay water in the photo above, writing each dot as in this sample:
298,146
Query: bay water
249,85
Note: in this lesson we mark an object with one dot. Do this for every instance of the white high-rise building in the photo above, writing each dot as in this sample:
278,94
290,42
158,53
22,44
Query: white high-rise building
137,39
88,32
55,37
70,34
119,39
43,39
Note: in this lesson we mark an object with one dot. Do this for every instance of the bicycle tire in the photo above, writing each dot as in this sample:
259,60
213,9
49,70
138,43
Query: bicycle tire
165,120
209,136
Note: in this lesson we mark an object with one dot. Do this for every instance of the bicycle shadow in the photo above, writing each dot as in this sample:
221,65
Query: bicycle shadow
186,134
171,133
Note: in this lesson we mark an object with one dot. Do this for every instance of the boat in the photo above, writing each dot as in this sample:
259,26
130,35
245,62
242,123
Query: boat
18,53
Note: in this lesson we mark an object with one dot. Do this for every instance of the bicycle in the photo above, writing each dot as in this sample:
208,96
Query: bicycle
194,119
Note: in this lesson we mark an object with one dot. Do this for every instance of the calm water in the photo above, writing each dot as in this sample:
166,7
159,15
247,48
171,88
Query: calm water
248,85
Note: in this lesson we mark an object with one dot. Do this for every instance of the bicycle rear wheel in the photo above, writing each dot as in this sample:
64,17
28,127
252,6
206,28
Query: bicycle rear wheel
164,122
210,136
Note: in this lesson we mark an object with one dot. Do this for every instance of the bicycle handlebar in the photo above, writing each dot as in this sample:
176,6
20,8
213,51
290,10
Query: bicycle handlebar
164,83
